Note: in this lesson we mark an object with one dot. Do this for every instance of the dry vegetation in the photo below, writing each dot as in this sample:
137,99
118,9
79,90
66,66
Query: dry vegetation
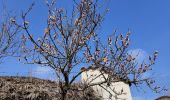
26,88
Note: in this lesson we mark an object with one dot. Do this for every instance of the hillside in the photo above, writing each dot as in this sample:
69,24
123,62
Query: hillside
27,88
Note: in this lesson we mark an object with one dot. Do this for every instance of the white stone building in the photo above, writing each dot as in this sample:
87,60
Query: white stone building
116,90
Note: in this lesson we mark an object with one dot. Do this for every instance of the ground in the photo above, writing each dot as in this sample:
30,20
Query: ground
29,88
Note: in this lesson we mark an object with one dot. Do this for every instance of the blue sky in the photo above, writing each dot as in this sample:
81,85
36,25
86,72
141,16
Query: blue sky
148,20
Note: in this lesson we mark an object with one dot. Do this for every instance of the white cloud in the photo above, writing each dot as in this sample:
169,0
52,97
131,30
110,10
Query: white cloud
146,75
137,98
139,54
143,97
44,72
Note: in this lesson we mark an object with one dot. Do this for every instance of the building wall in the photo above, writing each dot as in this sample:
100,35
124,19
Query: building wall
116,91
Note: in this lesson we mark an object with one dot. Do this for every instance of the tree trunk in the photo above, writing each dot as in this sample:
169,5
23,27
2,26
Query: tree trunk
63,95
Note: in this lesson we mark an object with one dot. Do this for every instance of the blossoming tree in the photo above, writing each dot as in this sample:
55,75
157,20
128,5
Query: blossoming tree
72,40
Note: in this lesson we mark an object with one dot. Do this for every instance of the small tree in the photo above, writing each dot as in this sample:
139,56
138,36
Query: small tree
69,41
8,33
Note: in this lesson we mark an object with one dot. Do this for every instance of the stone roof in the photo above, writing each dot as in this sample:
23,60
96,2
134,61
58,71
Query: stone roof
162,97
